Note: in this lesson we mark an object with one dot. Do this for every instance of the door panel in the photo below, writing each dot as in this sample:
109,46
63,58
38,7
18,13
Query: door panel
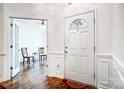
79,59
72,41
83,37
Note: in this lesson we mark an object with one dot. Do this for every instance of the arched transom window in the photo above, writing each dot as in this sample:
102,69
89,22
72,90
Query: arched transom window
78,23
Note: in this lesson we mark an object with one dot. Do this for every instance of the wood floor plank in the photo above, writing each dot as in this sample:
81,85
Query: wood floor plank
34,76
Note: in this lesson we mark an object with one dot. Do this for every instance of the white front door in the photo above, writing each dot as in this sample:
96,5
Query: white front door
15,48
79,48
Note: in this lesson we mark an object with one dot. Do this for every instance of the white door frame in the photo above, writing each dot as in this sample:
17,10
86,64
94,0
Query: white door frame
10,42
12,45
95,40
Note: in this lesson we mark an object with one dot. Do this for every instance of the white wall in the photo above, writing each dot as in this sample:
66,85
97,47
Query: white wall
1,40
118,31
1,27
37,11
118,45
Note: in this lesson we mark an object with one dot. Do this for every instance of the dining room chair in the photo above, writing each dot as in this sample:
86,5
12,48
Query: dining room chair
26,56
41,52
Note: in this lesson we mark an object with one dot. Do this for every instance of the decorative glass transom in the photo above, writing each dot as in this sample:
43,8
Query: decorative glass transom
78,23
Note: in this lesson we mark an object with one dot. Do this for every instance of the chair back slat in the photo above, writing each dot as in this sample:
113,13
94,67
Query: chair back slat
24,52
41,50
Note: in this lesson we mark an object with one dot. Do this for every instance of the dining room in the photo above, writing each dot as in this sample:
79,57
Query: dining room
29,40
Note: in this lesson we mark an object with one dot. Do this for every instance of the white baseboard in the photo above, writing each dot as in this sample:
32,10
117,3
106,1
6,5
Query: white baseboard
102,87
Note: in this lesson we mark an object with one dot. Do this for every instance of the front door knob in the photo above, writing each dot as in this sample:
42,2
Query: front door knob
66,51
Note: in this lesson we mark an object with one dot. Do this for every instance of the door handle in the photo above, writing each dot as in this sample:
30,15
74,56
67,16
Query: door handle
66,51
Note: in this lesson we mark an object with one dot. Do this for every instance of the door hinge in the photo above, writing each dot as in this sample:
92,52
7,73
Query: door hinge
94,76
94,20
11,72
11,46
94,48
11,68
11,25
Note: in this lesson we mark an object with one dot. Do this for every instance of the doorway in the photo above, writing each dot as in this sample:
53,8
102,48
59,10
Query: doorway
27,33
80,48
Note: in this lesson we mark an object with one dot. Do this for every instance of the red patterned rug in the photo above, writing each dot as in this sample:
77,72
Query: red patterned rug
2,87
67,84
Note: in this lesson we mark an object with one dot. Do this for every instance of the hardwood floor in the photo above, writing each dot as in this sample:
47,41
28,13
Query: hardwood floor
32,76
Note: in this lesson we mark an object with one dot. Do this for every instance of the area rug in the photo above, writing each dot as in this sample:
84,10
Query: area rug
2,87
3,83
58,83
